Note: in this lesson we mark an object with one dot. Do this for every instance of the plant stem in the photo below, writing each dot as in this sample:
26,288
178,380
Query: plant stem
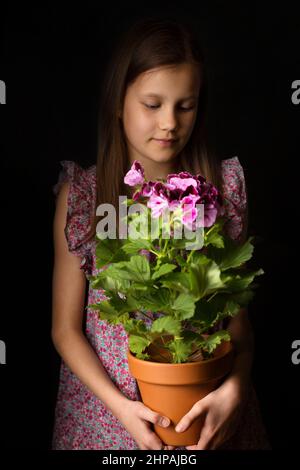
167,239
189,256
165,247
212,296
155,253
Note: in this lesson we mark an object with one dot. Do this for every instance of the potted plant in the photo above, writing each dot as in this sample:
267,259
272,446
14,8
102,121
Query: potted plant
173,293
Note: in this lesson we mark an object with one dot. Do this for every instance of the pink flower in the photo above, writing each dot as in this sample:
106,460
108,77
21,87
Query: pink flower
135,175
180,192
182,183
190,212
210,215
145,191
157,204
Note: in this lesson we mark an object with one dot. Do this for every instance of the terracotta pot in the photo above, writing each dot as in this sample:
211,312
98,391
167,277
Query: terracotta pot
172,389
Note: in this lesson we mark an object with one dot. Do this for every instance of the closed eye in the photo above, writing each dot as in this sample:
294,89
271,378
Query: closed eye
157,106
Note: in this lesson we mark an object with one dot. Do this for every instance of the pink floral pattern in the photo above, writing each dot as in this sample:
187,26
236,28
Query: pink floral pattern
81,419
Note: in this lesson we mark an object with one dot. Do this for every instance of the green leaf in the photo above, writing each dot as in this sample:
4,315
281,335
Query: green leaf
108,313
207,312
162,270
216,240
132,247
137,269
119,304
156,300
163,297
213,237
184,306
136,327
180,350
114,271
180,260
166,324
179,281
210,343
93,306
133,302
139,286
199,258
109,251
179,243
137,344
233,254
239,282
213,280
205,279
107,282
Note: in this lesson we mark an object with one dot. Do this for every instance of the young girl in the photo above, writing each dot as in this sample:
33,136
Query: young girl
155,90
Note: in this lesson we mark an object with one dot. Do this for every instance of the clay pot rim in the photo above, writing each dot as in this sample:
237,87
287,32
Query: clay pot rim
228,350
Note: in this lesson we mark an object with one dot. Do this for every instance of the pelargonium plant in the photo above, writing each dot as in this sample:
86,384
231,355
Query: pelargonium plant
173,291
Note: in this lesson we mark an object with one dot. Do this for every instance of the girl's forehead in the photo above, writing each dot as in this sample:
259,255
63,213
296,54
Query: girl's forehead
185,76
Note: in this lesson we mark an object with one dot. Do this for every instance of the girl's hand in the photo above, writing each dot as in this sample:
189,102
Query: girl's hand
220,412
137,419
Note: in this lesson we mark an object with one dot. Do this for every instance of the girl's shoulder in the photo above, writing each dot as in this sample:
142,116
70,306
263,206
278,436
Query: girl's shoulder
234,184
232,169
235,196
79,178
81,203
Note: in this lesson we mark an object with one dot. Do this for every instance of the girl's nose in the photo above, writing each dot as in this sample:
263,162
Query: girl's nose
168,121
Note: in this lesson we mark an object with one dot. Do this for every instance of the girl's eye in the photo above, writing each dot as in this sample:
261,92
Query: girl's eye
157,106
151,106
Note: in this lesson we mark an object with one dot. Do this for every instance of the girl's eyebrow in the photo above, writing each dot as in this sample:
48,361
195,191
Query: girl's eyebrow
155,95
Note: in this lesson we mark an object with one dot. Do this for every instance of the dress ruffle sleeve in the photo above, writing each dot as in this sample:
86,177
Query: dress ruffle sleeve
81,204
235,198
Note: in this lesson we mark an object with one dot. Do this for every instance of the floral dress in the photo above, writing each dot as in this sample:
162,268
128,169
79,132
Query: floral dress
81,419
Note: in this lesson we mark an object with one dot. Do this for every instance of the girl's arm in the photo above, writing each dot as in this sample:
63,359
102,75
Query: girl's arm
241,331
68,295
242,336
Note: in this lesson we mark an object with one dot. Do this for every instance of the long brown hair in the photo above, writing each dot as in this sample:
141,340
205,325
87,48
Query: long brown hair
148,44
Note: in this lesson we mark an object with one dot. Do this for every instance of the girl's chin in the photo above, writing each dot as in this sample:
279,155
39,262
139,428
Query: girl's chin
162,159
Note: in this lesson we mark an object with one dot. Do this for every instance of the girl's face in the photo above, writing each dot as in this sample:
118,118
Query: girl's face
160,104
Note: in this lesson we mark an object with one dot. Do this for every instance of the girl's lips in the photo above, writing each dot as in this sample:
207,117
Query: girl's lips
165,143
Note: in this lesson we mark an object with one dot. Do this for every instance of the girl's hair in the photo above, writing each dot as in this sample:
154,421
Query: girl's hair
148,44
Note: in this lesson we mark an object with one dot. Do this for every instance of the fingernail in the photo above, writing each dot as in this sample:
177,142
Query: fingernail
179,428
164,422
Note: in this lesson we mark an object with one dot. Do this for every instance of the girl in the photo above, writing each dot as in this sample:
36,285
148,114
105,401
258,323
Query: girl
155,90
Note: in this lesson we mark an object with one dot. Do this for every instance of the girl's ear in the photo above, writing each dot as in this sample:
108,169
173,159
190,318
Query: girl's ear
120,114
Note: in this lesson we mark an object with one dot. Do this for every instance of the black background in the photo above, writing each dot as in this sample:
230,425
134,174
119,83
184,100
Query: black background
52,61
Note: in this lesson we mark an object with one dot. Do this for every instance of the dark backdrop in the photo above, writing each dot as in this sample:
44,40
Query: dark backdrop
52,62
